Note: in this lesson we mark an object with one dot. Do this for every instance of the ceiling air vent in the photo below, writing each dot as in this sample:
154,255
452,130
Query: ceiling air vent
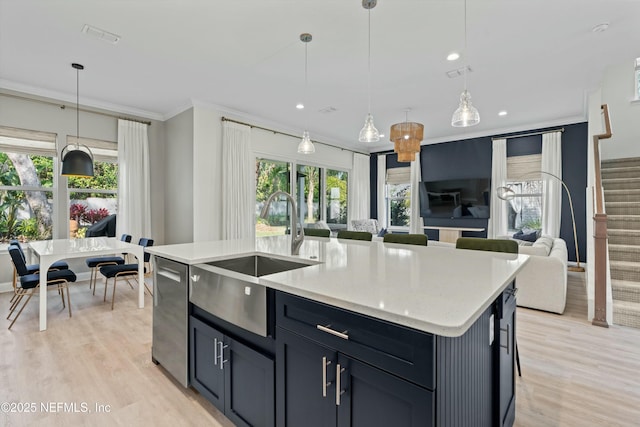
99,34
327,110
458,73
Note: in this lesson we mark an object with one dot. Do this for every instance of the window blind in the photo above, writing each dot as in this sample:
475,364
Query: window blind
103,151
25,141
399,175
524,168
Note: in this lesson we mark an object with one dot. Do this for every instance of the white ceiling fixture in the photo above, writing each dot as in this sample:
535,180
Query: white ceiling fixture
502,113
453,56
466,115
459,72
306,146
100,34
300,106
601,28
369,133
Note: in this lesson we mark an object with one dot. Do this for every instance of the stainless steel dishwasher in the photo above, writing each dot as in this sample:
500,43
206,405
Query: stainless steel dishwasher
171,318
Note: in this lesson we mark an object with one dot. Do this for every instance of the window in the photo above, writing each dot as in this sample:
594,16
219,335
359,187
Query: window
27,184
398,197
95,198
272,176
308,190
320,194
523,177
336,198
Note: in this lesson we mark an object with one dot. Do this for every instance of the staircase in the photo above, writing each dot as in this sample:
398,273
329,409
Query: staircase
621,183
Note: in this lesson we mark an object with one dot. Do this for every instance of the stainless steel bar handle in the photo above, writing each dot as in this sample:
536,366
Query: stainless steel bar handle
221,355
339,391
215,351
325,363
344,335
513,291
169,274
508,337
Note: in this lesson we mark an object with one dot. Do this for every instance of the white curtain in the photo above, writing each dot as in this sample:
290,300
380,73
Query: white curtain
134,195
382,203
497,225
552,188
238,185
416,222
360,188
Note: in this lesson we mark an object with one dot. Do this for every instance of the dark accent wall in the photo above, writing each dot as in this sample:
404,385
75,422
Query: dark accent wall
471,158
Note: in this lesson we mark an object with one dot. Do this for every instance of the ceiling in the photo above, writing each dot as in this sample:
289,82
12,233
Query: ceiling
535,59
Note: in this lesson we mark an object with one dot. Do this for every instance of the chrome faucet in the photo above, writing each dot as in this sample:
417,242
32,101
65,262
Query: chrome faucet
296,239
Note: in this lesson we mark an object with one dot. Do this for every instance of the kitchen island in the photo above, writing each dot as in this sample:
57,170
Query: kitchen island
422,334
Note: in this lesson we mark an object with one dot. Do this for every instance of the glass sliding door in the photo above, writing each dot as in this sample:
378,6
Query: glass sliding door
272,176
336,199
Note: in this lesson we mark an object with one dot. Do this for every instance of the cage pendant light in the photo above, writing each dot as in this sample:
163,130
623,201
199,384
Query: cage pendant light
466,114
369,133
77,161
306,146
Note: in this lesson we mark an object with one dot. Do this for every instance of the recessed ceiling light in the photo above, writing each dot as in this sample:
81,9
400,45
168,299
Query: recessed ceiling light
502,113
600,28
453,56
382,135
299,105
100,34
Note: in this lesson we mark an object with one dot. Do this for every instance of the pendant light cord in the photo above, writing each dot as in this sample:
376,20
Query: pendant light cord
369,63
466,60
77,108
306,82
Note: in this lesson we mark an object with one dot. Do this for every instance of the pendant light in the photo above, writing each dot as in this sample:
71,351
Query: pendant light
406,137
466,114
77,162
369,133
306,146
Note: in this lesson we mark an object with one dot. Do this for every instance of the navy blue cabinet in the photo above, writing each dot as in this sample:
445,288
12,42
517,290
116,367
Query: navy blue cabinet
318,386
237,379
506,362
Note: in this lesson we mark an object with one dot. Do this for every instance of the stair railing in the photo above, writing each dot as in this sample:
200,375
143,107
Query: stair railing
600,231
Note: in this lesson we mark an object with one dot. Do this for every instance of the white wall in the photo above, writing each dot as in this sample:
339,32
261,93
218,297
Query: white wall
618,89
178,179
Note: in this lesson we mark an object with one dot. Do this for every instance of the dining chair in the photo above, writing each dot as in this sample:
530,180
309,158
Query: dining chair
355,235
407,239
493,245
126,271
30,283
317,232
95,263
31,268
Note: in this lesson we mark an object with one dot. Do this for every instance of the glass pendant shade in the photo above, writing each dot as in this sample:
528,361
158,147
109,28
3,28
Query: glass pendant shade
306,146
76,162
369,133
466,114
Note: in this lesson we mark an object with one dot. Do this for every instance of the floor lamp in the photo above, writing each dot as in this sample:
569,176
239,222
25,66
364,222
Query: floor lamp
506,193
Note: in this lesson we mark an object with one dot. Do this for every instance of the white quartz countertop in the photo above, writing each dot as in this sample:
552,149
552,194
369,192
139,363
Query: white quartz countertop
435,289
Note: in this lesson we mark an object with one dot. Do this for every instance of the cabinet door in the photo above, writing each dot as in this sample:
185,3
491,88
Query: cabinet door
507,401
305,372
371,397
250,386
206,374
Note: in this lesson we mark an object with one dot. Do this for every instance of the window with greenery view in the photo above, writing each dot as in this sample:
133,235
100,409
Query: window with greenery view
525,209
399,204
272,176
308,190
92,199
26,197
336,197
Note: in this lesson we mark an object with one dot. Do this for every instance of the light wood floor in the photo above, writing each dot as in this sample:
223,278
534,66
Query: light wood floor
574,374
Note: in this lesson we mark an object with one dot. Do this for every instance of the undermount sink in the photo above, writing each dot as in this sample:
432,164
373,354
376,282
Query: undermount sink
258,265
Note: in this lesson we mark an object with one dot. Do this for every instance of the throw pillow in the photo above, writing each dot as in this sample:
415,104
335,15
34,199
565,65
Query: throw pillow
382,232
528,237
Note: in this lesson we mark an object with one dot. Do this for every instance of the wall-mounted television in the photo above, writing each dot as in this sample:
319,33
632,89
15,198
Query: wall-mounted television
455,198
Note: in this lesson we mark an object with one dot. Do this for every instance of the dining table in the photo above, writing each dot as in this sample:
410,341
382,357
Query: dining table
50,251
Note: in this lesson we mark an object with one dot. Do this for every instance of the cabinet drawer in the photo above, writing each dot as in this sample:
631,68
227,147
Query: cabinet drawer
405,352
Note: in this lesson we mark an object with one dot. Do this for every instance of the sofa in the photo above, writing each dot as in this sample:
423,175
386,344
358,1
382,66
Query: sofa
542,282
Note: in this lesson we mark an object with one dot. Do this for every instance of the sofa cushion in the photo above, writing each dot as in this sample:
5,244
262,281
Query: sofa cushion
541,247
531,236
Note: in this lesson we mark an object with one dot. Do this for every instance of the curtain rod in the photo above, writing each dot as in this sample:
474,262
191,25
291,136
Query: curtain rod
528,134
63,107
225,119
